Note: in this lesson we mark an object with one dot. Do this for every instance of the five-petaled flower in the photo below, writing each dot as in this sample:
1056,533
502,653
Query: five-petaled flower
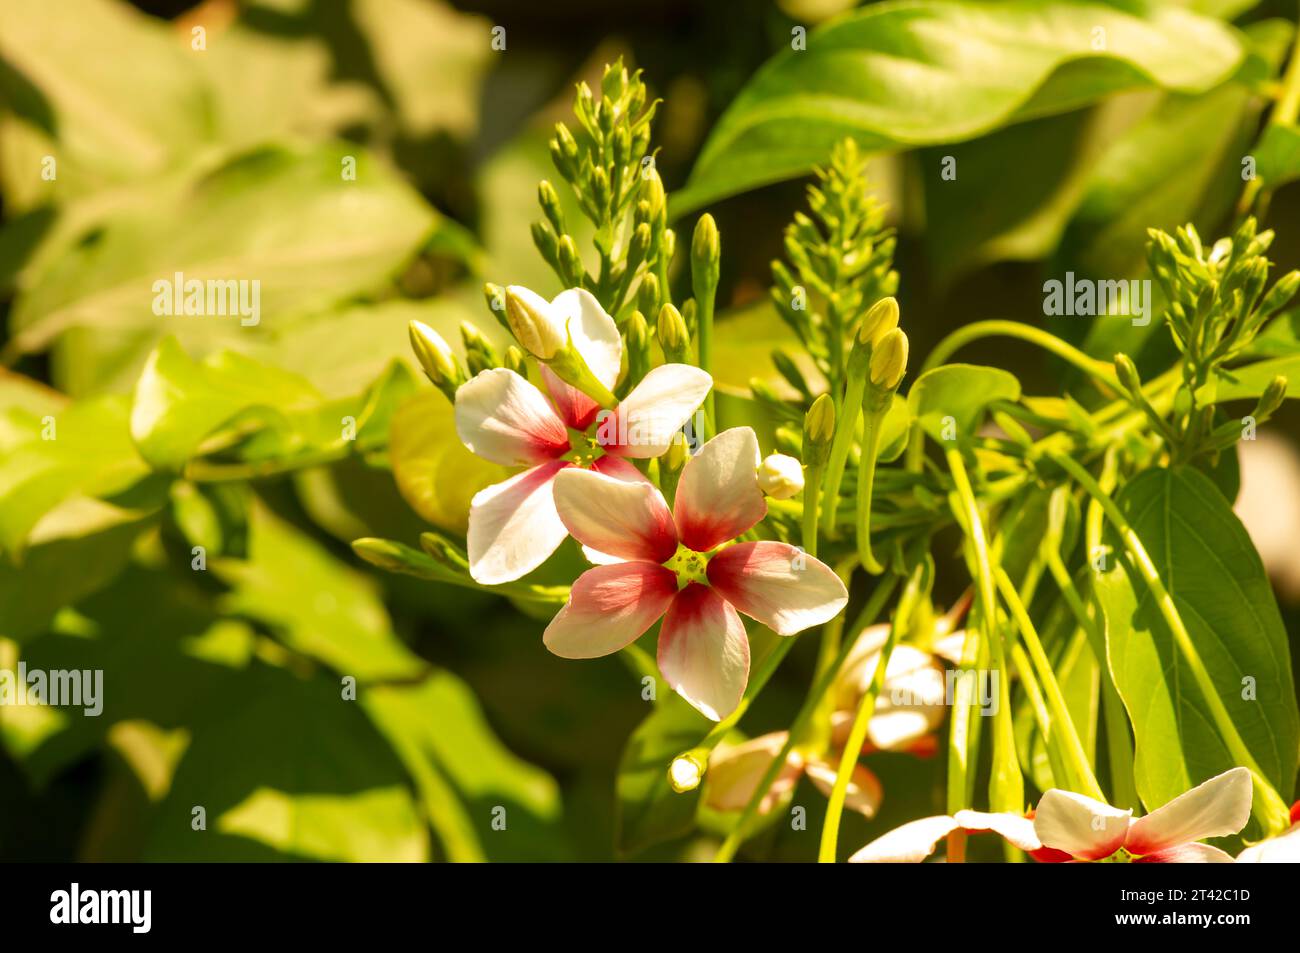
513,525
674,564
1068,826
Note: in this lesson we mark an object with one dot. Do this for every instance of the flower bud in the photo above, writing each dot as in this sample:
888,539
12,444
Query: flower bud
532,323
435,355
1281,293
677,454
780,477
818,430
571,265
637,336
673,337
705,254
889,360
1127,373
549,200
685,773
514,360
1272,398
878,321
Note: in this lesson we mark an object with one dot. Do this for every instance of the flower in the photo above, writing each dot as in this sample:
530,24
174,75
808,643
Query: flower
780,476
667,567
1282,849
513,525
1069,826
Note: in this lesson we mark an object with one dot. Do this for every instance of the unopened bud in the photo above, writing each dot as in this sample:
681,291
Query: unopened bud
1127,373
435,355
818,430
532,323
1272,398
878,321
889,360
673,336
780,477
705,254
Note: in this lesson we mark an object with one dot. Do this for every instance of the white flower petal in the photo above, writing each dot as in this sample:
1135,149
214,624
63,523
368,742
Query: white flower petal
735,770
505,419
513,526
718,496
1215,808
593,332
1186,854
1014,828
609,608
778,585
645,421
615,517
909,844
704,652
1283,849
1080,826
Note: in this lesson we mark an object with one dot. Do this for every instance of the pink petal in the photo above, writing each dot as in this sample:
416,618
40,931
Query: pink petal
505,419
1080,826
777,585
1014,828
609,608
575,408
647,419
1186,854
612,516
619,468
735,770
704,652
513,526
1216,808
864,793
909,844
718,497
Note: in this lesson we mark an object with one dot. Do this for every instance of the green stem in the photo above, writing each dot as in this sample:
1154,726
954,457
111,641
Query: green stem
1073,752
884,589
812,489
866,482
1268,805
1006,786
846,425
862,720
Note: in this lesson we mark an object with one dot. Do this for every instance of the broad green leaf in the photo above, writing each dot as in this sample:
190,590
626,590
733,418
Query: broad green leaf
1277,155
293,771
82,450
67,96
1250,381
649,811
1218,584
436,474
469,782
314,603
903,74
949,402
291,219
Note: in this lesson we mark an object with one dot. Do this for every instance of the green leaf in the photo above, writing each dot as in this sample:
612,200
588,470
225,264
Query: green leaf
435,473
289,219
314,603
904,74
469,782
649,811
1219,586
1251,380
1277,155
293,771
960,392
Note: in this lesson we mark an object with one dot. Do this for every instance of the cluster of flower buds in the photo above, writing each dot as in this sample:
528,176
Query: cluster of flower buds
604,159
1217,302
841,254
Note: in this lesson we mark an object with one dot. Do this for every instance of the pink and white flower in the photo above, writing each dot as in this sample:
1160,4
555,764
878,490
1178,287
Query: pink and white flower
1069,826
674,565
513,525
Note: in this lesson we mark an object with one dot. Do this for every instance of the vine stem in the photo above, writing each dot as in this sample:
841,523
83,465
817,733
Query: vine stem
821,686
862,721
846,425
1268,806
874,422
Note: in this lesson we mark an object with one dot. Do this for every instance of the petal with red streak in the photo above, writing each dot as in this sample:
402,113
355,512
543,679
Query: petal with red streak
609,608
704,651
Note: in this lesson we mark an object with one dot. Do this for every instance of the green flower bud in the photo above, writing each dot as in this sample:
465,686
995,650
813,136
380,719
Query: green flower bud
647,294
637,336
1281,293
1272,398
547,243
549,200
706,252
515,361
889,361
878,321
673,336
1127,373
435,356
571,266
532,324
495,296
479,352
638,246
818,430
